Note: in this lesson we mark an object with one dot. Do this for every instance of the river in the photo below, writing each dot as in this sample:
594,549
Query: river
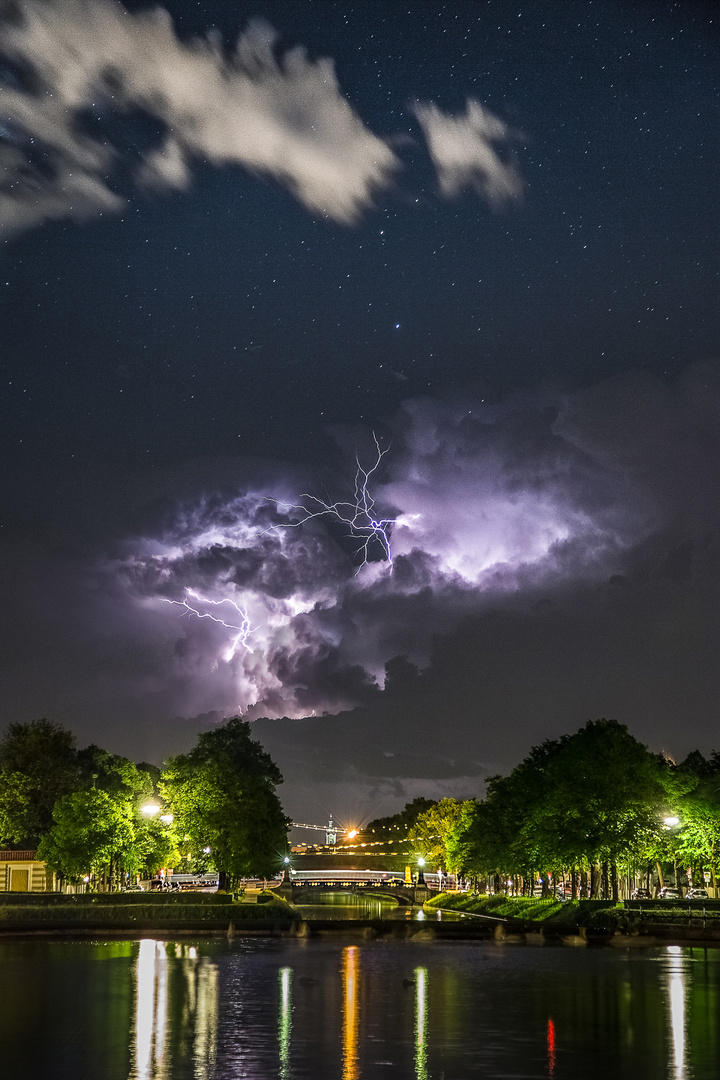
347,1009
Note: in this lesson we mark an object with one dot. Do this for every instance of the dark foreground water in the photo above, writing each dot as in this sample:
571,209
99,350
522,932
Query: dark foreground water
280,1008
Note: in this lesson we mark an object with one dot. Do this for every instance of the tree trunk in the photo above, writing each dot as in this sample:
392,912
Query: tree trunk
614,880
573,883
594,881
224,882
660,875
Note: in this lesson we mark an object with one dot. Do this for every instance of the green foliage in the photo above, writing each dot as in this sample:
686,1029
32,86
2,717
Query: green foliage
605,795
397,826
222,795
595,796
16,793
91,833
116,775
44,755
434,828
698,806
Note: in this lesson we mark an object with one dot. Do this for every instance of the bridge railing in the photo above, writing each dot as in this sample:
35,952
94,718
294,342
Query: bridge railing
387,879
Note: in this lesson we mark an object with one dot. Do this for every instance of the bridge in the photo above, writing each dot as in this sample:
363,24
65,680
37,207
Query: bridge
305,884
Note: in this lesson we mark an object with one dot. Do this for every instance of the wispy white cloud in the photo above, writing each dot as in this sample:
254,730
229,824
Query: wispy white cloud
464,151
67,60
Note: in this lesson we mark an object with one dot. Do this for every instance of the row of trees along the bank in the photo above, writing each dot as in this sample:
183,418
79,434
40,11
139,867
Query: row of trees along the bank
82,809
586,807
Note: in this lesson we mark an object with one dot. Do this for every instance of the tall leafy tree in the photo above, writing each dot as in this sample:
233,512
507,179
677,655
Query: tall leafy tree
606,796
698,806
433,829
588,799
222,795
92,834
38,765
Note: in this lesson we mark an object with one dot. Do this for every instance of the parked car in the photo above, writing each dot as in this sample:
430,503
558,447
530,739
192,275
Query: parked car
669,894
697,894
641,894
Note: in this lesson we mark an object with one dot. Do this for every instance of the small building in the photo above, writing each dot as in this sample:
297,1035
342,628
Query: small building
21,871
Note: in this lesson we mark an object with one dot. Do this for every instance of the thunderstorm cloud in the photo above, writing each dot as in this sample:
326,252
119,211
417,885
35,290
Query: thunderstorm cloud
95,99
272,604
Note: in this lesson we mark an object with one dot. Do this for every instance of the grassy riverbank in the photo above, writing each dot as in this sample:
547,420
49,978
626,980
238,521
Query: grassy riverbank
598,915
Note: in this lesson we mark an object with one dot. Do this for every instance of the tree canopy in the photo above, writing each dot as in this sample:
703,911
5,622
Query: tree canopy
595,797
38,765
222,796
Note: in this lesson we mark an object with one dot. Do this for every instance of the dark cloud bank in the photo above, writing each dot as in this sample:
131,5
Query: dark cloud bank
555,558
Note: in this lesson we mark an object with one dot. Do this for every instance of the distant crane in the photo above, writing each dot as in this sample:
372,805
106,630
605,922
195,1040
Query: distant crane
331,830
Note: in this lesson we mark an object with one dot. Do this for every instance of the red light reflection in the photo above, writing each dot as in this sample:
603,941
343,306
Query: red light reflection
551,1047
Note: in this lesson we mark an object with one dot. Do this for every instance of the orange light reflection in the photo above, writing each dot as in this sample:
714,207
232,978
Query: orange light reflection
351,1007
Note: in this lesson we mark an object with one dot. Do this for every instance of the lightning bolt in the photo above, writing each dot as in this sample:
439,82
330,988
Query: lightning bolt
359,514
243,630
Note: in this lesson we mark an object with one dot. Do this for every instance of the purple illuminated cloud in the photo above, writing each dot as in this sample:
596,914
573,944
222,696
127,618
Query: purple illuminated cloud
292,604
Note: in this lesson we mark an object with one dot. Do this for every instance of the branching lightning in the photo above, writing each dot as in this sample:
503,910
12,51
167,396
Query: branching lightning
358,514
243,630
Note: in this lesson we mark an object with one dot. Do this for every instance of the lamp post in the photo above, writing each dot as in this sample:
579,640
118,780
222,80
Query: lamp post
421,876
671,823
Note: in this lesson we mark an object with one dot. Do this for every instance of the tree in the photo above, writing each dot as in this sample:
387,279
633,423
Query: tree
397,826
222,796
434,827
698,806
15,807
44,754
121,778
92,834
607,796
588,799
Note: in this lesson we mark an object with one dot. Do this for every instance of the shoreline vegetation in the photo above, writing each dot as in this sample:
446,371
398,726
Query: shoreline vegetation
461,917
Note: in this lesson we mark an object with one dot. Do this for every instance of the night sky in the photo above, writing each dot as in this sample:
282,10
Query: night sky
449,269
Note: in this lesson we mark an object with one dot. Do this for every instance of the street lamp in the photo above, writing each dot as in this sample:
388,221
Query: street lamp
421,876
150,809
672,822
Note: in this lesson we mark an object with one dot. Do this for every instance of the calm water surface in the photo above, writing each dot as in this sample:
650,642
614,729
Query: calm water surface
336,1008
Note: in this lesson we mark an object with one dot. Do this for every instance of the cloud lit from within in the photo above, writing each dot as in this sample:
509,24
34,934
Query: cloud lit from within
273,608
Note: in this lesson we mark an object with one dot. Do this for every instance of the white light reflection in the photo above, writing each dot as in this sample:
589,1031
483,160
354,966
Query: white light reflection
421,1072
676,966
203,986
285,1021
150,1011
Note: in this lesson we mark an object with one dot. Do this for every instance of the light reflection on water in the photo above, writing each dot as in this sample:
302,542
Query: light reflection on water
200,1010
421,1071
676,995
334,1009
351,1007
285,1021
150,1011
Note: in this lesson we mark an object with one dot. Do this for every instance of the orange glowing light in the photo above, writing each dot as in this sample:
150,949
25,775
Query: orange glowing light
352,834
350,976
